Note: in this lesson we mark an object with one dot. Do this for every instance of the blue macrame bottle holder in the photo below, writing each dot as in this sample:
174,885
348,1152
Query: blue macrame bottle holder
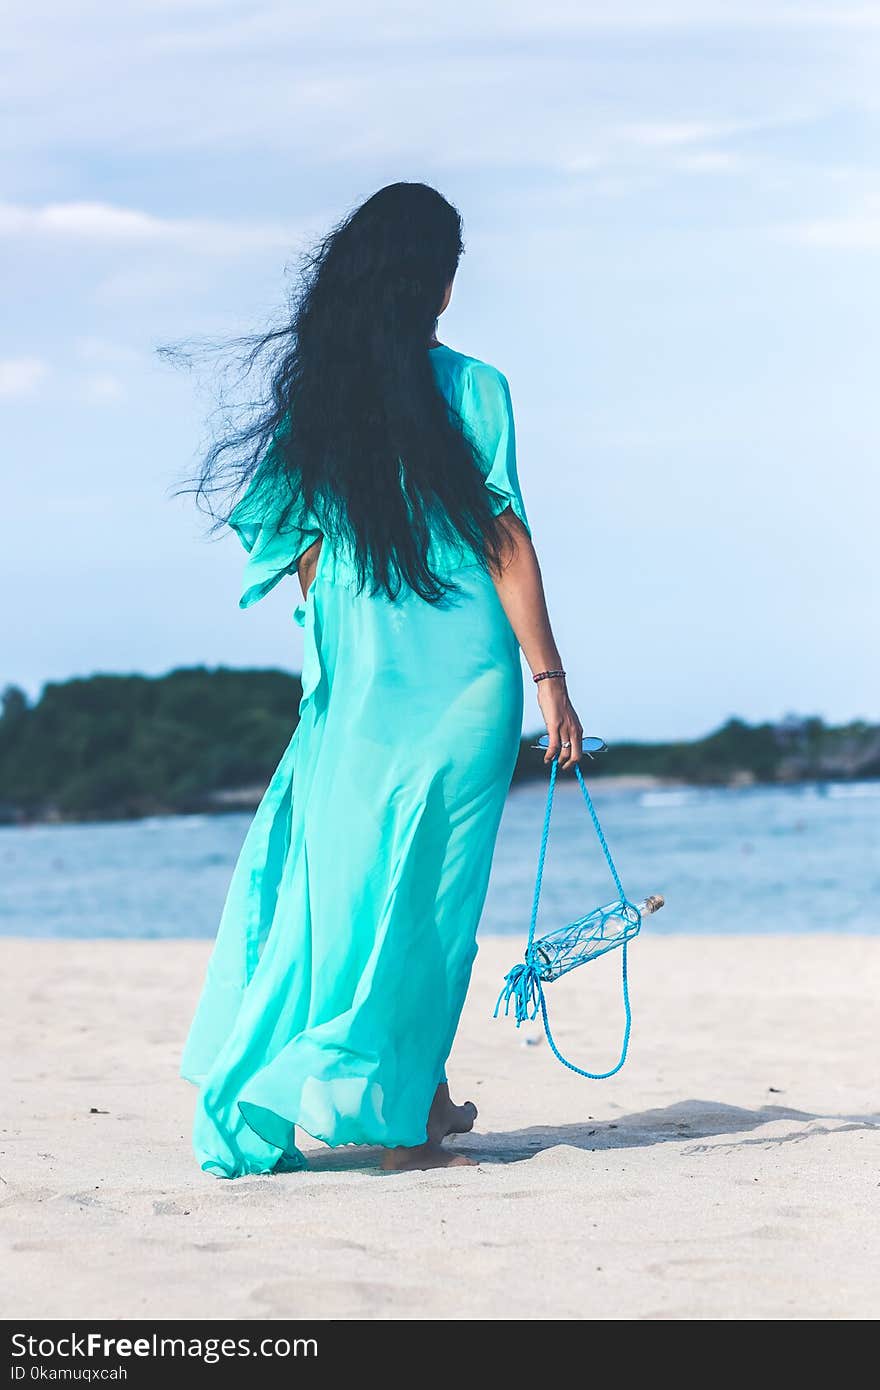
557,952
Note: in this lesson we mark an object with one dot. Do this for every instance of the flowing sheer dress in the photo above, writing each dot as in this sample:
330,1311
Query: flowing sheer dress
346,944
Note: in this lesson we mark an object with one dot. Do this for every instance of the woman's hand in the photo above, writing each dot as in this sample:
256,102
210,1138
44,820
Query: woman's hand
563,726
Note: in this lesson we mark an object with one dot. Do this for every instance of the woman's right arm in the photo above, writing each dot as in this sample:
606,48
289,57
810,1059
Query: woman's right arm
521,591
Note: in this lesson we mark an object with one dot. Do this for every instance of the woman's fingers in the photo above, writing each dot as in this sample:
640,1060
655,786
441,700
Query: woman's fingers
571,742
554,742
575,752
567,748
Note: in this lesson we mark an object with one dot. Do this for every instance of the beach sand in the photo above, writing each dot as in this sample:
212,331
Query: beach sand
732,1170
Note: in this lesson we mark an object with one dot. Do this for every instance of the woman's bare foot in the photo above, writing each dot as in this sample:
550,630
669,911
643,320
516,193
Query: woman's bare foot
445,1118
423,1156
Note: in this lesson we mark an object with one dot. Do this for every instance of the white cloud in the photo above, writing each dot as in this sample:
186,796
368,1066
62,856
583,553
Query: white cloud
106,224
666,134
20,376
345,83
150,283
88,221
218,24
101,353
649,149
710,162
102,388
855,231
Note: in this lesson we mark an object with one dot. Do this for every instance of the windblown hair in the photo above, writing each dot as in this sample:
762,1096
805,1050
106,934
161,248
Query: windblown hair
353,415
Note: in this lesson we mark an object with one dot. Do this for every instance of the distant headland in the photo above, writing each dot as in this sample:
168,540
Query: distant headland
117,747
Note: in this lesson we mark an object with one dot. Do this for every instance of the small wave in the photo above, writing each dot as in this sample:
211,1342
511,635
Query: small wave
193,822
854,791
664,798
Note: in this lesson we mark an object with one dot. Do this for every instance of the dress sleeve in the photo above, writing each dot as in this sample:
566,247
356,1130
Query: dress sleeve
274,526
487,414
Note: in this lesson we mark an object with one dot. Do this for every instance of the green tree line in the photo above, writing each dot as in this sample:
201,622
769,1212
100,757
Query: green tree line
120,746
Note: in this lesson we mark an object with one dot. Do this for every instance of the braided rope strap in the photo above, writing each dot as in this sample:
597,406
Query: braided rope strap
557,952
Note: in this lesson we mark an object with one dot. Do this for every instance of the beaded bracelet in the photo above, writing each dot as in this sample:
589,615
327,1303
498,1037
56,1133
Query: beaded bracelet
547,676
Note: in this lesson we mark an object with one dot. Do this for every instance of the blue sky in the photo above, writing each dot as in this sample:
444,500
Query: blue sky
673,239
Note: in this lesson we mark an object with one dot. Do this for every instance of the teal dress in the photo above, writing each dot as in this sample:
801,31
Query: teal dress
346,944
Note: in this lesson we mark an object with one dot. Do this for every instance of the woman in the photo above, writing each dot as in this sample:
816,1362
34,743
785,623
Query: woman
383,473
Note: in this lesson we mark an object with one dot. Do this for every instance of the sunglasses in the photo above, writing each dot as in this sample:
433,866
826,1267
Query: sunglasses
590,744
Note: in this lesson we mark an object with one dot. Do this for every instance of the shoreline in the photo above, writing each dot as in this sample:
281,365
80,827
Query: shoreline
728,1172
246,801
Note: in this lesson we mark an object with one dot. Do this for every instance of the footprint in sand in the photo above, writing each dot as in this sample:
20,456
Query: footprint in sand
170,1208
288,1298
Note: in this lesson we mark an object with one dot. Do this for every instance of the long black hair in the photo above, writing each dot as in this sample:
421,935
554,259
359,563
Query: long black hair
353,420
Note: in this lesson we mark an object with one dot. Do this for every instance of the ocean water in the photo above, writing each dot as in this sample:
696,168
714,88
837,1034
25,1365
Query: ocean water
799,859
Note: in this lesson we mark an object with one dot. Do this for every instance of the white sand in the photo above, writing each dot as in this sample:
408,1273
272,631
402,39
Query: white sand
684,1188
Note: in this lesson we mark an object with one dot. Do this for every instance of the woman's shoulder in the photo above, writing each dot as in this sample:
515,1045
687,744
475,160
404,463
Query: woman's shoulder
474,386
451,359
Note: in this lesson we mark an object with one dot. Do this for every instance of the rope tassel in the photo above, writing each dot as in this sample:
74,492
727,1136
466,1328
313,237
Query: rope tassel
522,988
